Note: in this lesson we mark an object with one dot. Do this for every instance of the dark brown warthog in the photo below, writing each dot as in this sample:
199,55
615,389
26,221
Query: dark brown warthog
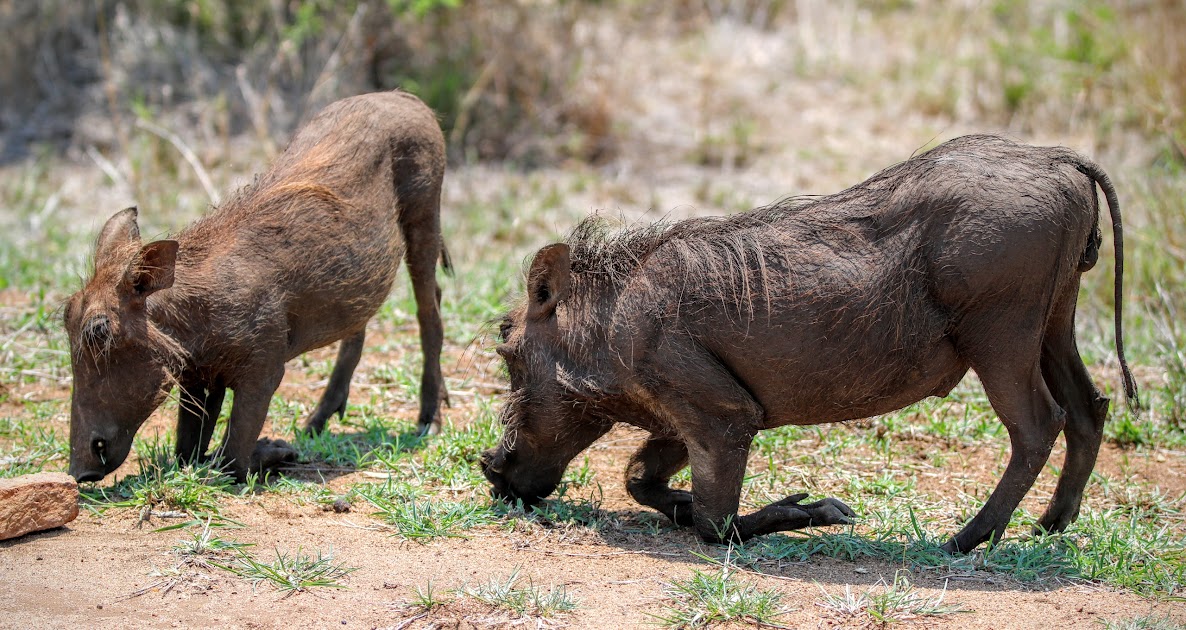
299,259
847,306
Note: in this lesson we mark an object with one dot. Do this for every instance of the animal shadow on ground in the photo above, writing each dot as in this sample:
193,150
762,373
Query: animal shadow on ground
328,455
846,557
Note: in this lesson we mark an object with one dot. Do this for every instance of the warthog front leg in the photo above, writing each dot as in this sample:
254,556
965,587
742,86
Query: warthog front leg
717,419
648,473
250,409
717,473
199,404
790,513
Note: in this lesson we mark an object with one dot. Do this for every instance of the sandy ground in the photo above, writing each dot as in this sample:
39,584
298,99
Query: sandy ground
98,572
113,571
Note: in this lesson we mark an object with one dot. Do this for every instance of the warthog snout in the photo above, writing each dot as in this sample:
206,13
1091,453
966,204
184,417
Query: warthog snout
493,462
83,477
498,467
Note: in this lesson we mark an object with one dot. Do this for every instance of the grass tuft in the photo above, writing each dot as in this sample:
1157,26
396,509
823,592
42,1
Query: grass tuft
713,597
419,519
204,547
427,598
895,603
31,447
162,483
290,574
523,601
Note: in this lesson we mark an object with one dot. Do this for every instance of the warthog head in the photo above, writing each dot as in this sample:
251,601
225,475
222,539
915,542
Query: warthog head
122,363
551,414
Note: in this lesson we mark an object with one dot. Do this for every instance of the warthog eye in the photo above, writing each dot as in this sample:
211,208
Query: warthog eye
504,330
97,332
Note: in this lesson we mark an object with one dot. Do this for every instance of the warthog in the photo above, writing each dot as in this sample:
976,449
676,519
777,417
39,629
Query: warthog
706,331
301,258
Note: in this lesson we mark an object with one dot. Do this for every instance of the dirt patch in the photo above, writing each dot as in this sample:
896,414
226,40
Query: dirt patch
100,570
114,570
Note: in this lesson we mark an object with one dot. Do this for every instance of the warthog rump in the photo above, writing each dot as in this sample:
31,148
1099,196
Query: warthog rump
301,258
706,331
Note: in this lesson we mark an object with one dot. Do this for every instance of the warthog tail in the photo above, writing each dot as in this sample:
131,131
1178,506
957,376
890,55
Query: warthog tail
446,259
1097,174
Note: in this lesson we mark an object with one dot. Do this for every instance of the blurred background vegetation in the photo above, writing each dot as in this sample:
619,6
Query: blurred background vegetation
534,82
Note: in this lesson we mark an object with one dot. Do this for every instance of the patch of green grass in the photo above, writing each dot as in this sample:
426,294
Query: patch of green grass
290,574
33,344
417,518
162,483
718,596
427,598
31,444
1137,549
579,476
1136,545
523,601
894,603
886,484
40,250
1032,560
563,512
899,542
204,547
360,442
449,460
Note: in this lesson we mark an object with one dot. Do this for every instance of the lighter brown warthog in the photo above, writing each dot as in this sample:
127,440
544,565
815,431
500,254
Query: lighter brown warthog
810,311
301,258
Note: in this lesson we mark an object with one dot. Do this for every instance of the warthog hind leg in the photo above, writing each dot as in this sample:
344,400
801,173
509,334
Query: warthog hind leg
1020,397
420,221
333,400
1086,408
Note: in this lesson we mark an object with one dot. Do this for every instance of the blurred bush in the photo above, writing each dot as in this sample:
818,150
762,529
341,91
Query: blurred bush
536,81
502,74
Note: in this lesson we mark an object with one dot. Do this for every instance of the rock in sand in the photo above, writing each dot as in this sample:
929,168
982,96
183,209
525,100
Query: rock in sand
31,503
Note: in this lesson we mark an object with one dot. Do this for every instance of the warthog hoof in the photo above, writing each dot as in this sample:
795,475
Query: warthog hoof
787,515
271,454
827,511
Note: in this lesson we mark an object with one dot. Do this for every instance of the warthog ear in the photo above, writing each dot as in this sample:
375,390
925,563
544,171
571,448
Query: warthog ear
153,269
119,230
547,281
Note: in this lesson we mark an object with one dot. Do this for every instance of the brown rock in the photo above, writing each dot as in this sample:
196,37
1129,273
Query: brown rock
31,503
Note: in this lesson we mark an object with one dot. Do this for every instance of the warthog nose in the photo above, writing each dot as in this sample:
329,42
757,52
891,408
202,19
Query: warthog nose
89,475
